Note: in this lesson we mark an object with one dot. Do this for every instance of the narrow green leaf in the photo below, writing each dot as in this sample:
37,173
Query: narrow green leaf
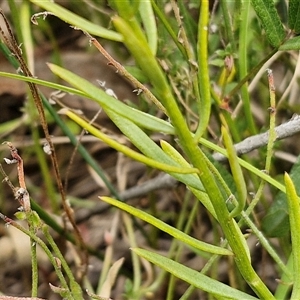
294,15
126,150
167,228
271,23
291,44
174,154
148,19
109,103
200,195
77,21
140,140
243,64
193,277
143,119
294,215
43,83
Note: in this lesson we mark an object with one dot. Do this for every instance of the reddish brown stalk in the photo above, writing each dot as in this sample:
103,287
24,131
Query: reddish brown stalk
21,193
122,71
19,160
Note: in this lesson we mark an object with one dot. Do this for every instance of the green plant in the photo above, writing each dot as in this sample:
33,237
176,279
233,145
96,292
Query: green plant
200,86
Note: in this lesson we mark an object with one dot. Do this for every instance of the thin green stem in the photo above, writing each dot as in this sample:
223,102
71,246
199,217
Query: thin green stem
272,138
28,46
174,245
34,268
189,218
245,219
148,18
187,294
204,106
237,173
265,243
40,242
272,109
232,233
74,286
137,278
26,37
228,23
243,65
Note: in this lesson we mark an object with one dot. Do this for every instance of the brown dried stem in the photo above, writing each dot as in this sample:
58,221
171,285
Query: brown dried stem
19,160
21,194
122,71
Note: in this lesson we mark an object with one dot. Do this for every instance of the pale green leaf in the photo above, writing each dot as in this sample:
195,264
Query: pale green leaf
146,145
177,234
148,19
154,163
107,102
198,280
294,216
